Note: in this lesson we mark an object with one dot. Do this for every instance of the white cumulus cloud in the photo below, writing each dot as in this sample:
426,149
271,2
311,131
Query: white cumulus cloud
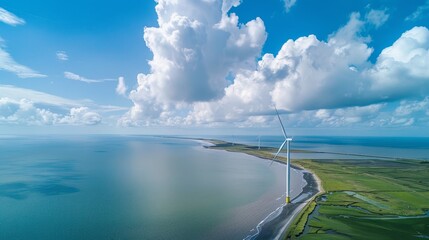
25,112
195,47
305,74
121,88
309,74
377,17
29,107
401,69
80,116
347,116
328,82
10,18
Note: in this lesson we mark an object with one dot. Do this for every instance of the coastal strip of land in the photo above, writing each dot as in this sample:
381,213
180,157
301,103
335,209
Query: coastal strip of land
360,199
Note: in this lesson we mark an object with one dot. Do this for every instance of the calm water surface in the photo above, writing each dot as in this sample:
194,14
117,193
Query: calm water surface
127,187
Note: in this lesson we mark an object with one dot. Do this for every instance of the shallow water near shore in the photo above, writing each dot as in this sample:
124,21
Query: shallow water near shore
133,187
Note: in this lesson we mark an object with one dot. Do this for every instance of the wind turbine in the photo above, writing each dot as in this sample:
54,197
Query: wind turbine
287,143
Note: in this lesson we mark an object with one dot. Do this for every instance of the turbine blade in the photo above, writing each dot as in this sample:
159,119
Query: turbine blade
280,149
281,123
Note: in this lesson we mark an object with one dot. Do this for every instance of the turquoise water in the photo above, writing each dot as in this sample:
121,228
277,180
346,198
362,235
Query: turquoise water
129,187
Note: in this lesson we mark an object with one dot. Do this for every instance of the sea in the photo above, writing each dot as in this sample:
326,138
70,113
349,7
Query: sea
155,187
134,187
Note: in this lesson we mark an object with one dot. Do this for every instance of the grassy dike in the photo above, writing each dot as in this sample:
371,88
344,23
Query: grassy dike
363,198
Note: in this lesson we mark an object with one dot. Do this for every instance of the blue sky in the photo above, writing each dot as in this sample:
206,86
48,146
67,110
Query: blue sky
213,66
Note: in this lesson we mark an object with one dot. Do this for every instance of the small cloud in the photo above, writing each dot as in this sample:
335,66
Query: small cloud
10,18
377,17
405,122
353,68
289,4
62,55
7,63
81,116
76,77
17,93
121,89
420,12
407,108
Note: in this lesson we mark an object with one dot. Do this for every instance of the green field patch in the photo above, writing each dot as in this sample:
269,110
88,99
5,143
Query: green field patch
370,199
297,227
367,200
341,211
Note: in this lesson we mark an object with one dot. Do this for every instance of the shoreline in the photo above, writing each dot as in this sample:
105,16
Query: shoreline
277,227
389,187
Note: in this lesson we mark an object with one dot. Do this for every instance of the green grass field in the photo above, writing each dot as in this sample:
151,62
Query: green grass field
369,199
363,199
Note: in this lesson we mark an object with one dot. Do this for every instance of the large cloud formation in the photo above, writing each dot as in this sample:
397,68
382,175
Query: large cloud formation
204,70
196,46
309,74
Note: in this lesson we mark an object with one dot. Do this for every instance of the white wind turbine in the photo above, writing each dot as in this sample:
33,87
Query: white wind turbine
259,142
287,143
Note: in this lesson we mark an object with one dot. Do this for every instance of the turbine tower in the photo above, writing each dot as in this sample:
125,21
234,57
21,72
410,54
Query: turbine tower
287,143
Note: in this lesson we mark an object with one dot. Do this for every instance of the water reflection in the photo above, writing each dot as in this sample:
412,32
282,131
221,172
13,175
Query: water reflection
132,187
